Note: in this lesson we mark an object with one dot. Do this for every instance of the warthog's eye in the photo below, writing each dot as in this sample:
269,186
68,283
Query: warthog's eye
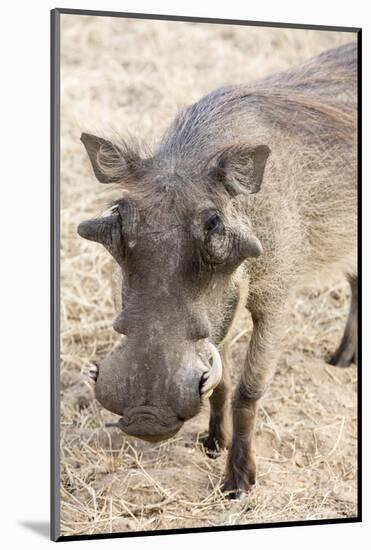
213,237
213,223
223,245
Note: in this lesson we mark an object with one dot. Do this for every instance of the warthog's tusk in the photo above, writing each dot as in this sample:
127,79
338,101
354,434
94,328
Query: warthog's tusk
212,378
93,372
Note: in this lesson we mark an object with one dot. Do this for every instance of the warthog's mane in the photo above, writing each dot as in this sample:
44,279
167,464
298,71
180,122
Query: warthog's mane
313,100
313,104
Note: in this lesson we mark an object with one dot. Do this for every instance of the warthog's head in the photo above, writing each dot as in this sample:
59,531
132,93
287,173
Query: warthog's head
180,242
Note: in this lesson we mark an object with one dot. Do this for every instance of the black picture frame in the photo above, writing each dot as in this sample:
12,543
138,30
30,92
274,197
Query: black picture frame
55,272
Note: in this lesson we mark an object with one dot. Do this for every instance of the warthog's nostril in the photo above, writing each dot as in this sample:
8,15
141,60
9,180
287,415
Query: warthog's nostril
149,423
93,371
202,385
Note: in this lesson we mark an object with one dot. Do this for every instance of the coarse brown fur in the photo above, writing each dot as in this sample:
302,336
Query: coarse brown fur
178,273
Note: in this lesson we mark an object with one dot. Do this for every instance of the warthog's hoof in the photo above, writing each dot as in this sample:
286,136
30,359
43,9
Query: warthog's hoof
213,446
241,472
343,358
218,437
237,484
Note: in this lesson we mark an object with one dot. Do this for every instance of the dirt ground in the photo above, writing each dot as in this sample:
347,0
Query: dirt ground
131,76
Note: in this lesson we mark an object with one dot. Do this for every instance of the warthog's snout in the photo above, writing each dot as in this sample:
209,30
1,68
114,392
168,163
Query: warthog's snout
154,402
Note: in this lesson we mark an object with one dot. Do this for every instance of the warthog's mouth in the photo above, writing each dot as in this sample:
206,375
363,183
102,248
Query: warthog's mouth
136,430
149,424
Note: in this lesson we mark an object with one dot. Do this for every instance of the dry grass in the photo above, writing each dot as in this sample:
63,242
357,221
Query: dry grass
132,76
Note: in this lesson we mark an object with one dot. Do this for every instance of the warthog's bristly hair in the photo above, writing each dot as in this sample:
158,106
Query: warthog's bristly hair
250,194
315,98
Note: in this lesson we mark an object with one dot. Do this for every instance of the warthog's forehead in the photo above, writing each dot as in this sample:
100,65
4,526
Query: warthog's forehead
160,255
153,232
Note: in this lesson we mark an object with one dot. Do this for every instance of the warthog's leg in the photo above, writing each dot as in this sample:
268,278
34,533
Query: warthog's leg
219,431
256,375
347,351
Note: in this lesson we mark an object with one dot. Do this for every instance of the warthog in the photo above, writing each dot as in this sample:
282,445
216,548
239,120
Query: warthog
251,191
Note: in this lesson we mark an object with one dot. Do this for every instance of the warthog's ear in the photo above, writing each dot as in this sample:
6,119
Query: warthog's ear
111,163
239,168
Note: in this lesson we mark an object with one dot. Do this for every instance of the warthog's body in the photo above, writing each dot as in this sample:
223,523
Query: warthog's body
197,240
